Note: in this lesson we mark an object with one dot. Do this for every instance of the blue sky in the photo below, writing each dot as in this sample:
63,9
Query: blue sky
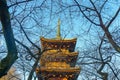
72,24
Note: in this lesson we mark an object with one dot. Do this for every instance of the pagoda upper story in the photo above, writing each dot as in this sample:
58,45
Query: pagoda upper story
59,59
58,43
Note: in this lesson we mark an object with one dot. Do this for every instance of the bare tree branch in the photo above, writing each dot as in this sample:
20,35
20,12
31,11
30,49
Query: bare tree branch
17,3
112,42
113,71
29,51
113,18
100,48
26,34
103,5
99,15
85,14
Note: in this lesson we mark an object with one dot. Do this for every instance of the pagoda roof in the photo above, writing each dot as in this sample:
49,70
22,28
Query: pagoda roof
58,40
61,53
56,69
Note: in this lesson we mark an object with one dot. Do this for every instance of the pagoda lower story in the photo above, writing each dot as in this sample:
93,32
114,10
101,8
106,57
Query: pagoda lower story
59,74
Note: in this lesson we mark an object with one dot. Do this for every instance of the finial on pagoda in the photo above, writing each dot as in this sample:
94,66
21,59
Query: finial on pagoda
58,35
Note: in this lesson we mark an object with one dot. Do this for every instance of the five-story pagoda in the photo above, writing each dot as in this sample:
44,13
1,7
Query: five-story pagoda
59,59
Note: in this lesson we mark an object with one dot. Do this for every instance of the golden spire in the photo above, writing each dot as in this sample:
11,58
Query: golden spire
58,35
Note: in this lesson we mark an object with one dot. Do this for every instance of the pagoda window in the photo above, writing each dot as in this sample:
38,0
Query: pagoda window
55,46
63,46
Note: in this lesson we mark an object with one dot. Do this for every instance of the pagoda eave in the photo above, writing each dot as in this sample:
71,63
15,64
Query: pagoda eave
62,53
49,69
58,40
59,73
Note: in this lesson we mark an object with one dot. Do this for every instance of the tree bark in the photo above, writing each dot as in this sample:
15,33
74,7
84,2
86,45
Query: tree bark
6,63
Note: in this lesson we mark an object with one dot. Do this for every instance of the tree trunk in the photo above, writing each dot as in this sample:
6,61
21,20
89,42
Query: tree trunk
6,63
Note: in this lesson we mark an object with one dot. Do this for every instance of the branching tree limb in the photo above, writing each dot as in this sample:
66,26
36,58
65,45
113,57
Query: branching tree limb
99,71
101,23
20,23
113,71
29,51
79,6
113,18
19,3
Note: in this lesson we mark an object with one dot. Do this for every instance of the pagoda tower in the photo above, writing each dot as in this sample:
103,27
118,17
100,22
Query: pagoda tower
58,59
